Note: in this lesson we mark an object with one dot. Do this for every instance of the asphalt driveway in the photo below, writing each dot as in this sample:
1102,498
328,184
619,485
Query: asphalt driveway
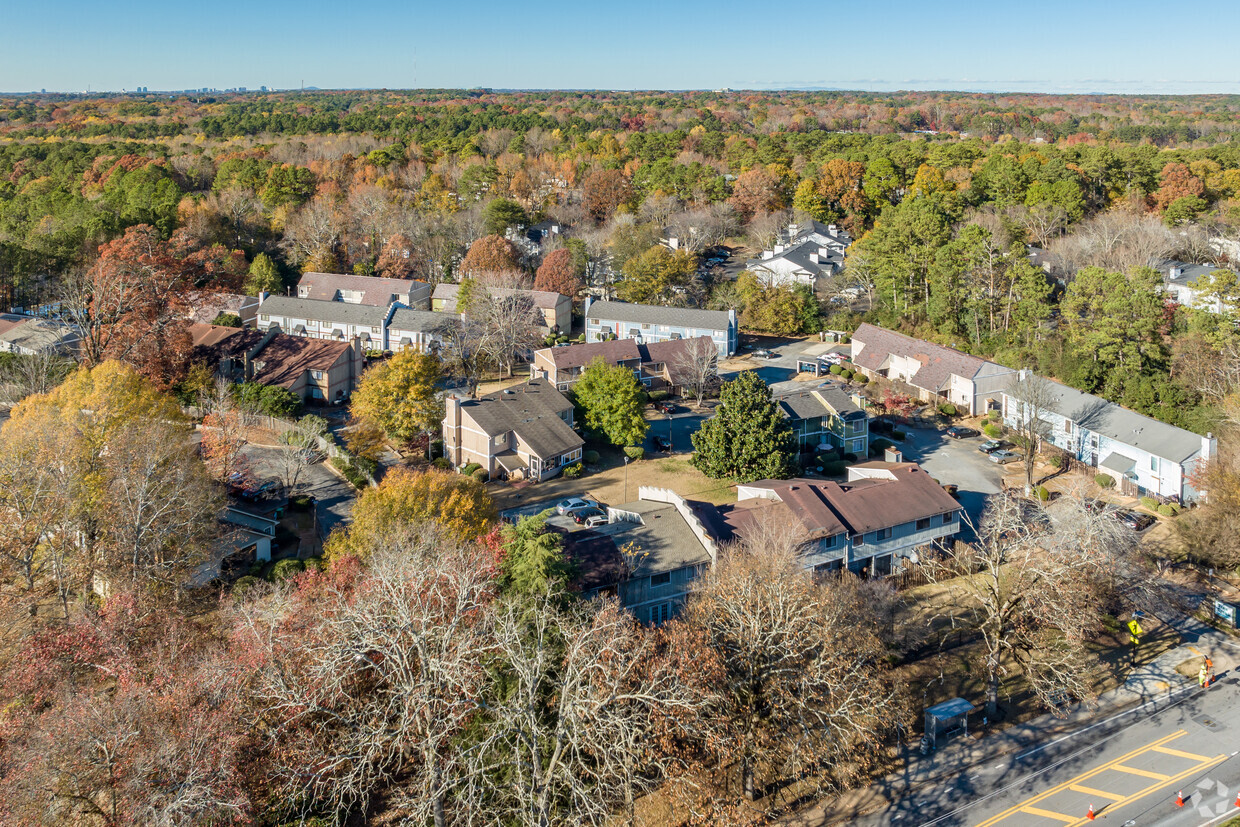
954,462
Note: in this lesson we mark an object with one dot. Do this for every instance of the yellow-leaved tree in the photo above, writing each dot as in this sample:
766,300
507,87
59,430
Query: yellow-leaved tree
382,515
133,502
401,397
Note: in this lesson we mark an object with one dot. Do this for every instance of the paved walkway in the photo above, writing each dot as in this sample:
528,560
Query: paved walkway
1148,688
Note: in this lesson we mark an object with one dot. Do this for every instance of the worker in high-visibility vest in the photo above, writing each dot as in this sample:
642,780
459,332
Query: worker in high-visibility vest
1202,674
1209,667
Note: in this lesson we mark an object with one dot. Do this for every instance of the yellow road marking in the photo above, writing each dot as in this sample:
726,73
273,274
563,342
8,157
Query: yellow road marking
1184,776
1192,756
1100,793
1085,777
1157,776
1034,811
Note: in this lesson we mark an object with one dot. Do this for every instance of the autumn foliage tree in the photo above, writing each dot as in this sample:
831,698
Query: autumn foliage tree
559,273
400,395
457,503
604,190
491,254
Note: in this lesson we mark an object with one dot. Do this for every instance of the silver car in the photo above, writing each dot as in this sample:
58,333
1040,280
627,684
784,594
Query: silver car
1004,457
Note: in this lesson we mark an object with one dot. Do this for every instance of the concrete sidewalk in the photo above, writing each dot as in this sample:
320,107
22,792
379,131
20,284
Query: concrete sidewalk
1148,688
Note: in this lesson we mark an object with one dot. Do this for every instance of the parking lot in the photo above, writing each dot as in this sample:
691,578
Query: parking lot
955,462
555,520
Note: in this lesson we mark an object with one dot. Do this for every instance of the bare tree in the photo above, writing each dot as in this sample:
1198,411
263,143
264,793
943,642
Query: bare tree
696,368
1033,400
371,691
510,327
161,504
574,731
765,227
29,512
658,208
313,230
30,374
464,353
1029,587
798,668
301,450
1115,240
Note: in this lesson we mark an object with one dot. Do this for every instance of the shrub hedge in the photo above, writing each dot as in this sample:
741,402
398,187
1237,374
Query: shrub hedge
1104,480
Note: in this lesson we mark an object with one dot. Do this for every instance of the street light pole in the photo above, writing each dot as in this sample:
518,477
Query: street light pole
626,478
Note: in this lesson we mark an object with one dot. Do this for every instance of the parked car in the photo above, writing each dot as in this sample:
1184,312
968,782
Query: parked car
582,514
596,521
251,490
960,432
1004,457
1135,520
991,446
665,407
661,444
568,506
833,358
763,353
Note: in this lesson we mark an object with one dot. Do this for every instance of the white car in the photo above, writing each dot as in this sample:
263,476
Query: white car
834,358
565,507
595,520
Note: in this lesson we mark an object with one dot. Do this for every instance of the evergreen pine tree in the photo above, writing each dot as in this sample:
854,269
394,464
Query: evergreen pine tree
748,438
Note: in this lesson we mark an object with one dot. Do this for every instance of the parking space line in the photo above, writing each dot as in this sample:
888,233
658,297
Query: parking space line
1192,756
1034,811
1077,788
1157,776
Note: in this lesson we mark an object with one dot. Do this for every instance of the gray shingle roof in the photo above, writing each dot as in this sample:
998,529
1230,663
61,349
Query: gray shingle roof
532,411
423,321
663,540
543,299
655,314
322,311
805,405
1122,425
1186,273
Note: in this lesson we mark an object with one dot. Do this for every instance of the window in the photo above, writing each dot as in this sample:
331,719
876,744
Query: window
501,439
882,534
645,327
857,446
316,374
264,317
923,523
660,613
1154,464
1067,426
661,579
948,517
594,321
859,540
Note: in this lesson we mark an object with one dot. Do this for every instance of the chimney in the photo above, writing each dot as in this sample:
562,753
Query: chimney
792,230
1209,446
262,297
452,418
779,248
813,257
831,228
585,311
766,254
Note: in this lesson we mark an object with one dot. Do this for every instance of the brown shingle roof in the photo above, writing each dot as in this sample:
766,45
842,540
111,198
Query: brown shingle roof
864,505
285,358
376,292
580,355
669,350
8,321
938,363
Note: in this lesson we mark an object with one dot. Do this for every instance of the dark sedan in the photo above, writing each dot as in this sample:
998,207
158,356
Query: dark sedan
992,446
582,514
1135,520
959,432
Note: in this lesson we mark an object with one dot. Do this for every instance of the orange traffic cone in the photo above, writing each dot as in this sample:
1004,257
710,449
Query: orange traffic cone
1090,814
1179,799
1237,804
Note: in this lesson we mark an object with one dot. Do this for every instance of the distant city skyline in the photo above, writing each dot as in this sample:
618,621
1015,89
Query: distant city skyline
886,45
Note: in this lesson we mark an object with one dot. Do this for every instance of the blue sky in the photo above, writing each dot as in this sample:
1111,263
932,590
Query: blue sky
1055,46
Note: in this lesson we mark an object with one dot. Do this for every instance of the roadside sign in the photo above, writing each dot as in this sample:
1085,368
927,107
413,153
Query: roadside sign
1225,611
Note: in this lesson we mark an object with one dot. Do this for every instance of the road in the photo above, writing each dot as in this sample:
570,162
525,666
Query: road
1129,766
334,496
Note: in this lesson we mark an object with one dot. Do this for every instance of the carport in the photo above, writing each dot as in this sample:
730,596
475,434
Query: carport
814,366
